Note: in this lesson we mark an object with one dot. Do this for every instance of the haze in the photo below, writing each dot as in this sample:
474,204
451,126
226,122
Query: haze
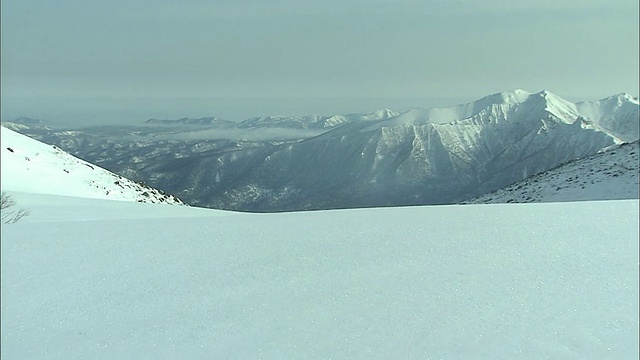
92,62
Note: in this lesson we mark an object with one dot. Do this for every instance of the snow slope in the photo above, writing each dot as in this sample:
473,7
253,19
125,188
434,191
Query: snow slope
29,165
94,279
612,174
616,114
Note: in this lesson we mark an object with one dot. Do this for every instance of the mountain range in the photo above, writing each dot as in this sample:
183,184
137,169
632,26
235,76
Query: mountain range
386,158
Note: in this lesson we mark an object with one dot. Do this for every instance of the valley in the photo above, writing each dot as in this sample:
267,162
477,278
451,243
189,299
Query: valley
385,158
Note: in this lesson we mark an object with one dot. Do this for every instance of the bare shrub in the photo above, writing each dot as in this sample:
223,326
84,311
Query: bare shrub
10,215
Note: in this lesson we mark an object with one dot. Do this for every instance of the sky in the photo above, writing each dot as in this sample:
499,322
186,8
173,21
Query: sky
97,61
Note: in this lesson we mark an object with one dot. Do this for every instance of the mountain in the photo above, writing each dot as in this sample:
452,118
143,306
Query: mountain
277,121
210,121
609,175
617,115
31,166
28,121
314,121
421,156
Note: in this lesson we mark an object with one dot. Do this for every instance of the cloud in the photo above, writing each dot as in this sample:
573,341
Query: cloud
261,134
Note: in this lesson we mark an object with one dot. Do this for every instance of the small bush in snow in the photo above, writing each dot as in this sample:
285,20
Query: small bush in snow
9,214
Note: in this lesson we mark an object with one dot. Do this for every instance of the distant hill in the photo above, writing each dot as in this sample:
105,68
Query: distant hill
28,121
206,121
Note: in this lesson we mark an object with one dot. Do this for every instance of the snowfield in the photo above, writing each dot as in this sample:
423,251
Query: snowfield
31,166
100,279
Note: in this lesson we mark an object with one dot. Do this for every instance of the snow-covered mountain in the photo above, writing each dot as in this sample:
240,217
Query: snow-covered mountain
208,121
28,121
422,156
31,166
314,121
277,121
609,175
418,158
617,115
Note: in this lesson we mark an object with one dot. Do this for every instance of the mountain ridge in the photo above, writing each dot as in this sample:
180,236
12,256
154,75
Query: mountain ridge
422,156
611,174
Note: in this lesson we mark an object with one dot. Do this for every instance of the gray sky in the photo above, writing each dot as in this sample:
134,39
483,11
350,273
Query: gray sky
131,60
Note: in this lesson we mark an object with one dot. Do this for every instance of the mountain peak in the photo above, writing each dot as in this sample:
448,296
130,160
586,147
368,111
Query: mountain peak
510,97
623,97
564,110
380,115
515,95
547,95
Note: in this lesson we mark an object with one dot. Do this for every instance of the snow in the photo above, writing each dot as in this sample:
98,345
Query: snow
617,115
562,109
31,166
609,175
89,278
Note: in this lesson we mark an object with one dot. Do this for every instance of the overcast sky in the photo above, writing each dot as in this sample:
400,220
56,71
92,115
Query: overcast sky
99,60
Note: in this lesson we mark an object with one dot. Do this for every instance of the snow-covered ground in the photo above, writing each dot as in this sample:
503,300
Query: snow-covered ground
609,175
100,279
32,166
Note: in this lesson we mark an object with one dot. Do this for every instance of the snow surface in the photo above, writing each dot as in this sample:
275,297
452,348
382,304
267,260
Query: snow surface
29,165
609,175
96,279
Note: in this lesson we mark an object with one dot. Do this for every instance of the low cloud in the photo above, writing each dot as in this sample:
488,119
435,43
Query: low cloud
262,134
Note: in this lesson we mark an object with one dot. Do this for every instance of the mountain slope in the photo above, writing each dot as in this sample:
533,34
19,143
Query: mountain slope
609,175
423,156
616,115
408,160
31,166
